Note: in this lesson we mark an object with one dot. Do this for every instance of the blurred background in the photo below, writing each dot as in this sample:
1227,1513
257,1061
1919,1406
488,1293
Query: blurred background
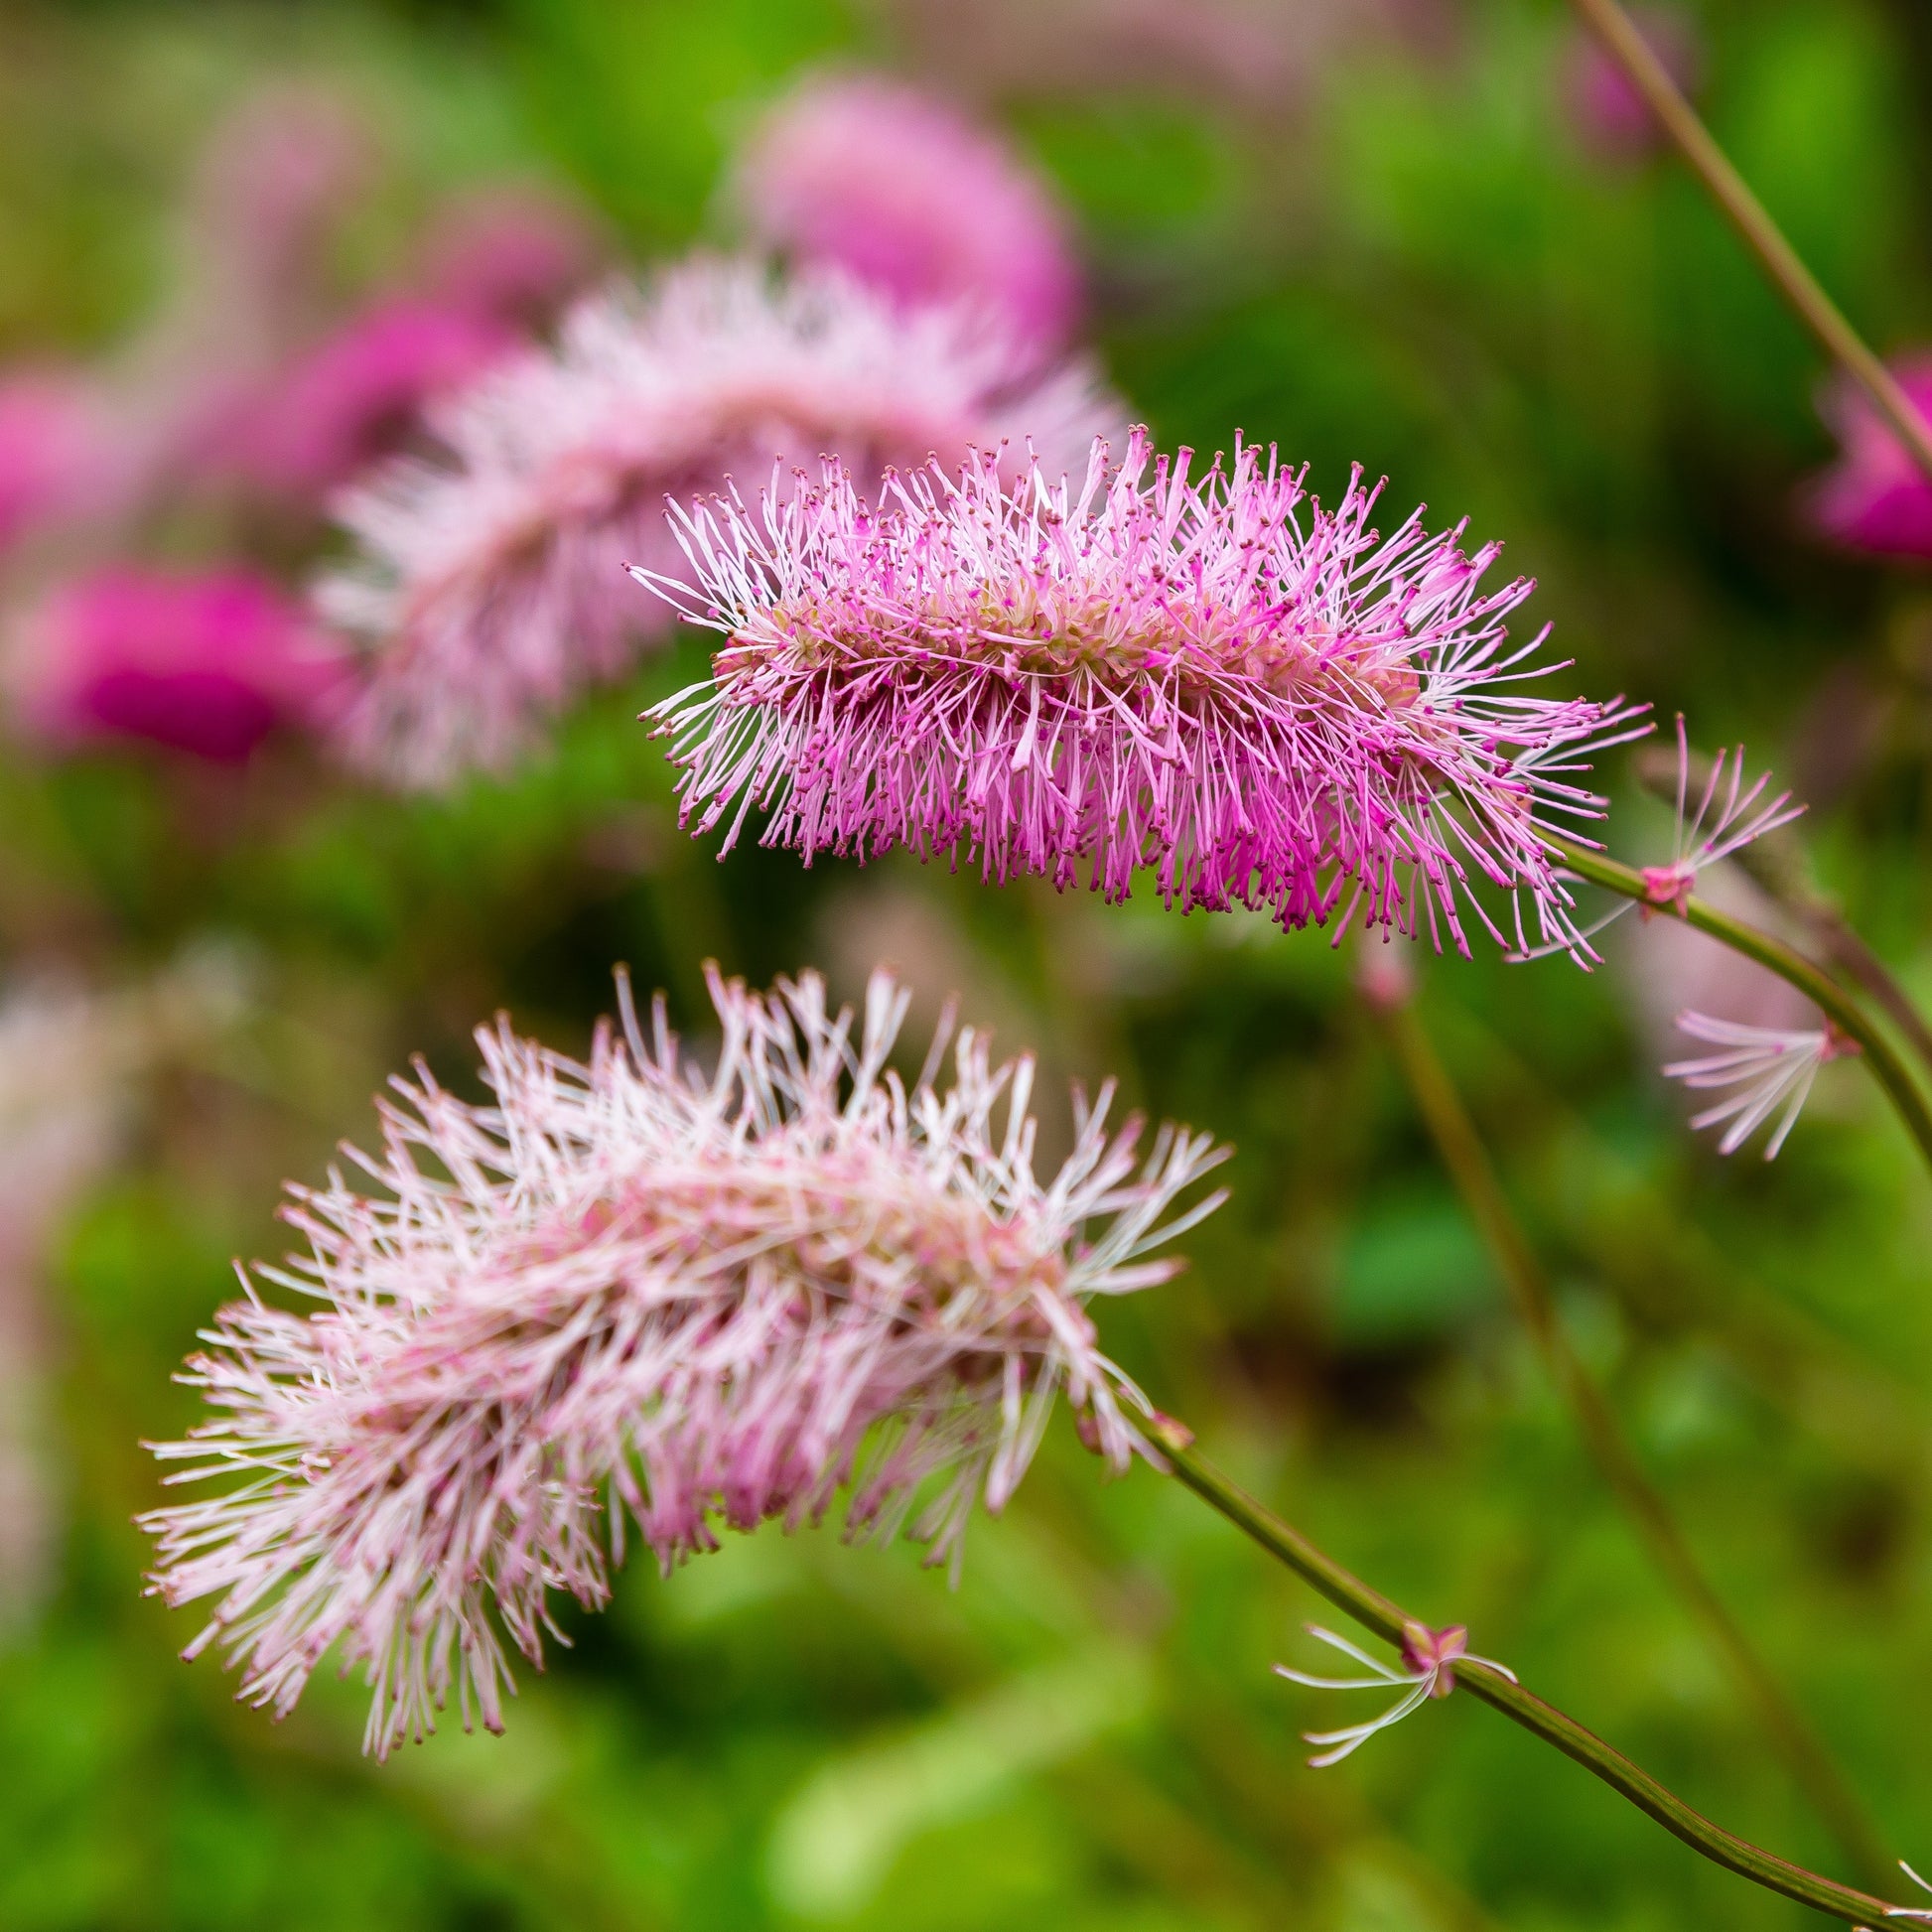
243,246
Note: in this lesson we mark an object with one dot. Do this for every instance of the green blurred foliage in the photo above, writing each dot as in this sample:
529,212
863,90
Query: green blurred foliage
1412,265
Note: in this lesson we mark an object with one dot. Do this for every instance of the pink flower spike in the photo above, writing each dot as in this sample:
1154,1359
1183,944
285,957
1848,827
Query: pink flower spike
1264,701
205,665
1739,820
636,1291
903,191
1431,1657
1875,499
489,589
1771,1068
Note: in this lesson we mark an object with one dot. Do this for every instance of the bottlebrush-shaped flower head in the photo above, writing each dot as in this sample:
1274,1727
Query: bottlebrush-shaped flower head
903,191
634,1290
1875,499
491,589
1261,699
206,663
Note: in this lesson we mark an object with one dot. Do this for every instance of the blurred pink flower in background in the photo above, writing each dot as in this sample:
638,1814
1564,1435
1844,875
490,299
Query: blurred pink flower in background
1605,110
509,255
490,585
903,191
204,663
248,375
1875,497
58,458
356,396
280,173
272,386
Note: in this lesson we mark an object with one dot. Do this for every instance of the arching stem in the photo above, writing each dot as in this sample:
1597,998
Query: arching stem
1389,1620
1460,1145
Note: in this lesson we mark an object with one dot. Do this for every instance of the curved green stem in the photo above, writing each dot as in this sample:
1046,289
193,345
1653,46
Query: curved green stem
1760,234
1389,1620
1468,1161
1812,981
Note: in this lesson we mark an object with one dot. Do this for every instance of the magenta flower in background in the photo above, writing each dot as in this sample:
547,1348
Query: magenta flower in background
653,1294
1604,108
1875,499
903,191
489,590
205,665
58,454
358,393
509,255
1215,677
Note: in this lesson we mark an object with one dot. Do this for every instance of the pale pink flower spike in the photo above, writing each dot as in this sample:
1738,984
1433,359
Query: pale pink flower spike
489,590
632,1291
1264,701
1431,1657
1771,1068
903,191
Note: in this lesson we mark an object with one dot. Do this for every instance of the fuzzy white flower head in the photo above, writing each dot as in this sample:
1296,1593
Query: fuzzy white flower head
488,587
635,1291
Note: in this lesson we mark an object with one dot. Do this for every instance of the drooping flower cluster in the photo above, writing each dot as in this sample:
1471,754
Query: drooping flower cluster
489,588
1768,1069
901,191
1263,700
631,1290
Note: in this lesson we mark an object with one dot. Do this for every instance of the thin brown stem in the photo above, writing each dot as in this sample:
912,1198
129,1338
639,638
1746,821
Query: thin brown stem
1460,1145
1390,1621
1760,234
